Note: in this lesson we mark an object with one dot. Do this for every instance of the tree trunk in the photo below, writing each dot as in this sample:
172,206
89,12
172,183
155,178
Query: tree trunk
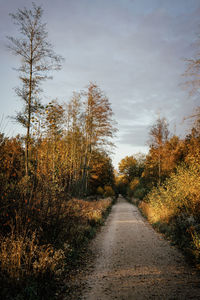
29,114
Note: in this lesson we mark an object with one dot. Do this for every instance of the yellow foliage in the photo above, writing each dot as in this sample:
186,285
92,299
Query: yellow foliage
108,191
22,256
133,184
100,191
121,179
180,192
88,210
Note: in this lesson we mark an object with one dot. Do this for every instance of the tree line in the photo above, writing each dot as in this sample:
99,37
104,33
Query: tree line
51,177
165,184
61,140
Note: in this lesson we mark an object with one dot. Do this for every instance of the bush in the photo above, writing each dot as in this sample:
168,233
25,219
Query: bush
139,193
100,191
22,256
82,216
179,193
30,270
132,186
176,204
31,266
108,191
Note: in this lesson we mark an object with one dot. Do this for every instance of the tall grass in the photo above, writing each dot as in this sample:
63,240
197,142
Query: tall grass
176,204
32,264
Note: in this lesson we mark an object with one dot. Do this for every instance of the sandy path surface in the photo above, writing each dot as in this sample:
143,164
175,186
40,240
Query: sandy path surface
134,262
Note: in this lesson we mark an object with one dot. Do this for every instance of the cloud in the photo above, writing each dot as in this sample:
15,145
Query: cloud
136,135
136,58
134,50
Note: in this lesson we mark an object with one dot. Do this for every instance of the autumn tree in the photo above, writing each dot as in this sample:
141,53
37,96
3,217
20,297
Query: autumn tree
158,136
127,167
54,120
90,128
191,148
192,84
37,59
130,172
75,143
99,126
101,173
172,155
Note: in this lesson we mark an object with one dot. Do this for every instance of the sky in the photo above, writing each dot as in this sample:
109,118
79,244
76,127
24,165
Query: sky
134,50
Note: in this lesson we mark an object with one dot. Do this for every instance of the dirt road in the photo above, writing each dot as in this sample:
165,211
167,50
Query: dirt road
135,262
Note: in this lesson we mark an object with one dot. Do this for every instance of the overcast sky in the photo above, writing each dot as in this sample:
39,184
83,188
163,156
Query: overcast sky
133,49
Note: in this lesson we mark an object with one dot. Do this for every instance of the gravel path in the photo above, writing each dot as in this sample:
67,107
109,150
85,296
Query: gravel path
134,262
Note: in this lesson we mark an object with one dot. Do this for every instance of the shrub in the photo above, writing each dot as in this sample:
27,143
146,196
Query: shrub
108,191
176,204
139,193
82,216
100,191
22,256
133,184
180,192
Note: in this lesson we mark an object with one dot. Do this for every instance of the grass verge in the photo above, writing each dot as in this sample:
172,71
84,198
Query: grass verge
34,263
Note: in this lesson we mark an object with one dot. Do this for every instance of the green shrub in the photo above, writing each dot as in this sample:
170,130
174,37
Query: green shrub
139,193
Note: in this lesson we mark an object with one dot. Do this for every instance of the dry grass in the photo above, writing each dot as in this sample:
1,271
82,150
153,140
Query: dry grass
155,215
22,256
88,210
180,193
175,206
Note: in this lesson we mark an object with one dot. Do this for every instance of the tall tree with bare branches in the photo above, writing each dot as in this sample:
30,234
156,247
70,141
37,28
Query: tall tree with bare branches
37,59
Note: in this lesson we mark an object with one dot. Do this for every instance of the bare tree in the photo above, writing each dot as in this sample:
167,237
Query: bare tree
159,134
37,59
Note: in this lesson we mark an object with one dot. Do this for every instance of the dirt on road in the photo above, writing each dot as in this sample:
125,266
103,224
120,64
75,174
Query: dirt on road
132,261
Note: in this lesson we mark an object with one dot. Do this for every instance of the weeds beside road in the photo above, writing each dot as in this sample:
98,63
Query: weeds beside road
32,268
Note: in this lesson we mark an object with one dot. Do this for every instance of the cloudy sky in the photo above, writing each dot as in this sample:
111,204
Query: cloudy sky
134,50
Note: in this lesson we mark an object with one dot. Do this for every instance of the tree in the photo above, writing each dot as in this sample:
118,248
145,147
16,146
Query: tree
127,167
54,130
75,143
169,156
37,59
158,136
99,126
101,173
192,73
130,169
195,117
159,133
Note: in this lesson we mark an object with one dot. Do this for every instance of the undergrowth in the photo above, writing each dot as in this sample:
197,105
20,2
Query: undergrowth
33,262
174,209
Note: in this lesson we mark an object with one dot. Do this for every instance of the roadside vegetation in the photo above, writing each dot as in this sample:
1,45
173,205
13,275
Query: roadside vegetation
166,185
57,180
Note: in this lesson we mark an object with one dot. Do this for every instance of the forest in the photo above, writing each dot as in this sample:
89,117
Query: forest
58,183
